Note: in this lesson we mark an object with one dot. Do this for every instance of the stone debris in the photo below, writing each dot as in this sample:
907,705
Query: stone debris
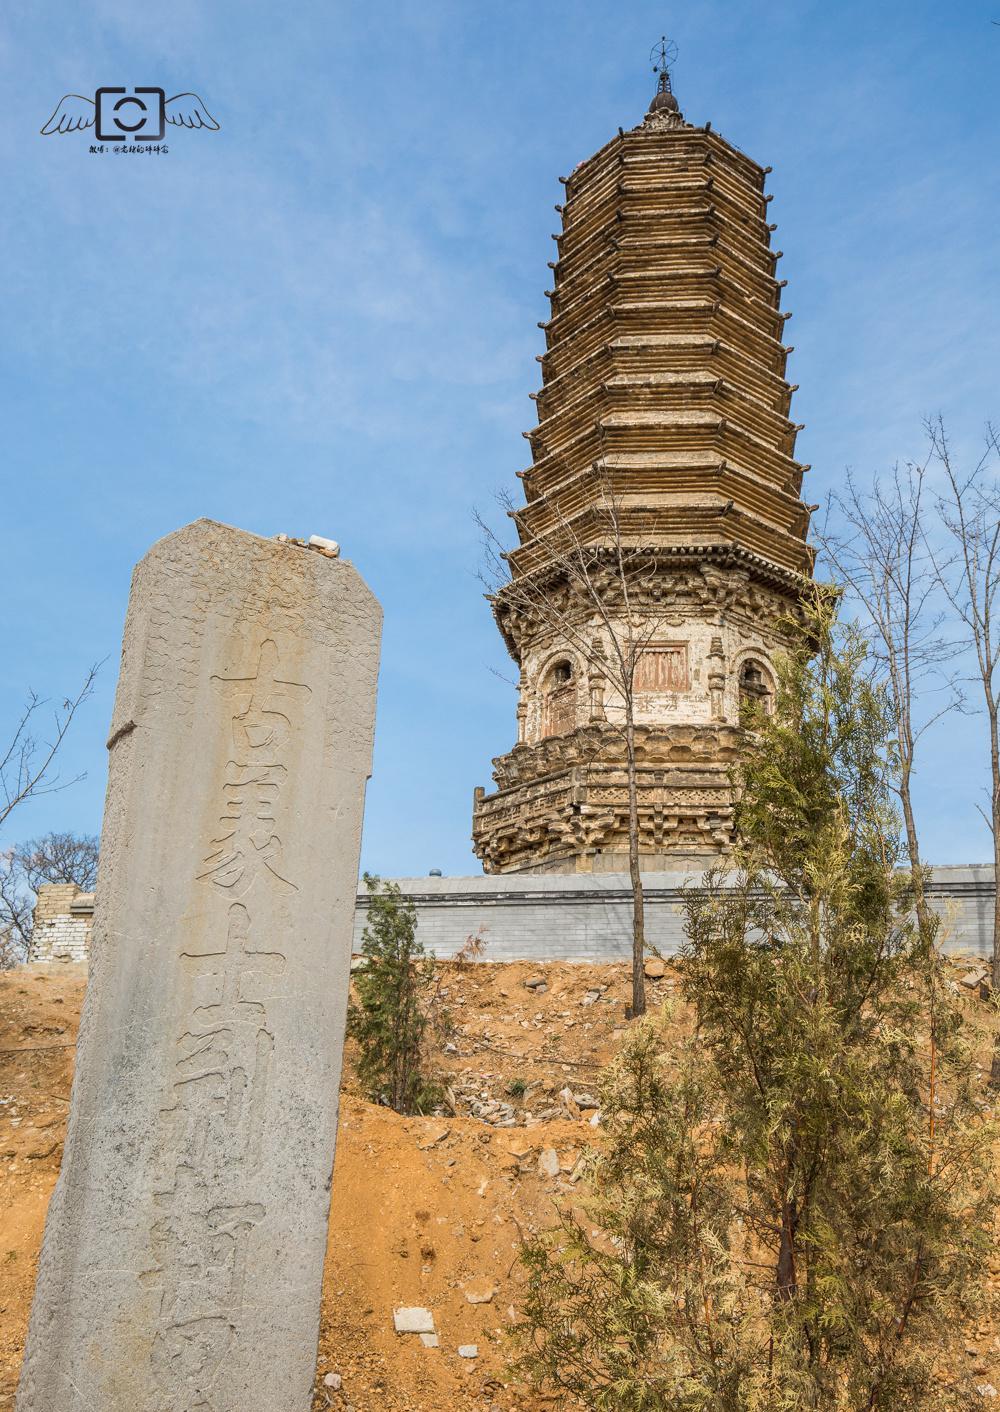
333,1381
569,1102
330,547
578,1170
496,1112
972,980
430,1340
654,968
433,1136
468,1350
327,547
536,983
548,1162
479,1291
519,1147
412,1319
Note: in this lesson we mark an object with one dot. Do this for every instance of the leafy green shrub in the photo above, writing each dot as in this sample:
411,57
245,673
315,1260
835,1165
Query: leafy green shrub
389,1019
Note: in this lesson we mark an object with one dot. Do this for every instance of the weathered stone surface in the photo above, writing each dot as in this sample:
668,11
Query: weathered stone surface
183,1253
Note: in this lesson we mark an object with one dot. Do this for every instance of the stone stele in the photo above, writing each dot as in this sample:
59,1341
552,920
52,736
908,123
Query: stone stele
183,1254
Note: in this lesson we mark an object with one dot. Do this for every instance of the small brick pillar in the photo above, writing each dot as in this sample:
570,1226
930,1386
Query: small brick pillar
63,919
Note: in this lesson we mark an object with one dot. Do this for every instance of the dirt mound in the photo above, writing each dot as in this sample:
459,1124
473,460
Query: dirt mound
427,1212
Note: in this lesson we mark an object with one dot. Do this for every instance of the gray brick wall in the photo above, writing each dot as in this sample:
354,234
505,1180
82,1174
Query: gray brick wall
587,917
547,917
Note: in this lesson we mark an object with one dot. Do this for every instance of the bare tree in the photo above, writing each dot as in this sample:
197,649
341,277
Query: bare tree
591,592
26,772
60,858
879,552
27,763
16,907
970,577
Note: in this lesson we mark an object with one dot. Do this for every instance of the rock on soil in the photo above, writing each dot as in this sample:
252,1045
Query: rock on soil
413,1320
548,1162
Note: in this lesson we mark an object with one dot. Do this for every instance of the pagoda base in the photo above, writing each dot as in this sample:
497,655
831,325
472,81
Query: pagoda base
562,805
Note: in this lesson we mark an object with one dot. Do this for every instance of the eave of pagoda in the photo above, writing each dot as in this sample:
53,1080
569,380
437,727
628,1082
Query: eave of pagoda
639,287
649,483
674,521
656,353
664,256
628,318
656,435
694,389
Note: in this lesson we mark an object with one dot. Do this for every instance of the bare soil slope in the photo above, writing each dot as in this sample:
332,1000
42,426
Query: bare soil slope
425,1211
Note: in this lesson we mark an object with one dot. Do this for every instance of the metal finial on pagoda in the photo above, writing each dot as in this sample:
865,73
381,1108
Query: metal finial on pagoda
663,54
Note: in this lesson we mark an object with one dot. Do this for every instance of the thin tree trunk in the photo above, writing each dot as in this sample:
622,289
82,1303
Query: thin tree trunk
995,817
924,916
638,913
786,1276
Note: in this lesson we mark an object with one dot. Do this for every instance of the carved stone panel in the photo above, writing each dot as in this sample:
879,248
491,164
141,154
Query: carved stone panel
559,710
662,666
183,1253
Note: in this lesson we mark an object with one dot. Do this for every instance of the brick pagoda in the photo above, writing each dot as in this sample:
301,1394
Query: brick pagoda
663,376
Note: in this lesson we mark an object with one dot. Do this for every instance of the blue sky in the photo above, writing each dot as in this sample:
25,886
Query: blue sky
322,318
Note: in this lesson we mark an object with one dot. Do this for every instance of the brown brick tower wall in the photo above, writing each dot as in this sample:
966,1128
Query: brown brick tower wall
665,373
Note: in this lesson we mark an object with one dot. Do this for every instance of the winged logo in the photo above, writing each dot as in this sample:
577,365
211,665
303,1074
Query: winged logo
132,115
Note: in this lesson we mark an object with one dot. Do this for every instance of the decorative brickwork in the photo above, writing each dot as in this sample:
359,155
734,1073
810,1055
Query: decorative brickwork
664,380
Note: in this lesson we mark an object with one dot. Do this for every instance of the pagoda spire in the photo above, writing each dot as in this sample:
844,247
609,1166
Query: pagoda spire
663,55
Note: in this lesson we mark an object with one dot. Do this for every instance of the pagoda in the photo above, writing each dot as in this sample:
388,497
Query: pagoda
663,377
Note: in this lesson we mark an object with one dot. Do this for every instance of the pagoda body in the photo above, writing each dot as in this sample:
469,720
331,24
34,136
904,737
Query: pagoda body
664,377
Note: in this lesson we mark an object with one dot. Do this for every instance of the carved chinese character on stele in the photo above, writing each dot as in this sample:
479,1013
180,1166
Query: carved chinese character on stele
183,1253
